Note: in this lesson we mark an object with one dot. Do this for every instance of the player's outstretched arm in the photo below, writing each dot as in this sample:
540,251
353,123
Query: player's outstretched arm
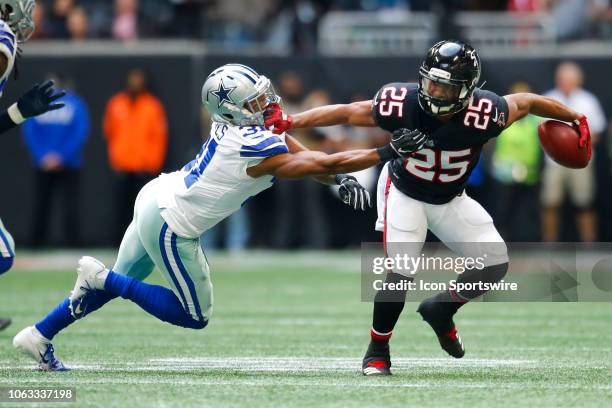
311,163
38,100
355,114
351,192
522,104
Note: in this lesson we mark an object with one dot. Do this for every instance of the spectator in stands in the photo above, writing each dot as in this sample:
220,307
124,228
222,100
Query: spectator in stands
527,6
515,167
601,14
55,141
125,23
571,18
57,19
78,24
579,183
40,22
137,135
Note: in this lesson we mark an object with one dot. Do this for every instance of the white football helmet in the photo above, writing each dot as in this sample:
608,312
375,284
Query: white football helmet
18,15
237,95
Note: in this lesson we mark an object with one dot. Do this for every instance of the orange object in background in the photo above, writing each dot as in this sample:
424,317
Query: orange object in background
137,133
136,129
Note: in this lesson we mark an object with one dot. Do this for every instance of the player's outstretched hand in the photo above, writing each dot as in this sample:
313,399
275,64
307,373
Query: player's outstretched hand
276,120
405,141
40,99
582,125
352,193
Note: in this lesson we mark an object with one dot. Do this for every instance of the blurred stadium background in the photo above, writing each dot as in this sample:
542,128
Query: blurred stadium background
290,328
316,52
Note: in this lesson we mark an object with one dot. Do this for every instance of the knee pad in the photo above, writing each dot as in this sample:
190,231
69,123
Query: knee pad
6,264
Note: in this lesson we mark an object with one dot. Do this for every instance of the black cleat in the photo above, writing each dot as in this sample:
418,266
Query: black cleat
4,323
441,321
377,360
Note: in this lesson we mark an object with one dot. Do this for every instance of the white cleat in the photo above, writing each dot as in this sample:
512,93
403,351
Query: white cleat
91,275
32,343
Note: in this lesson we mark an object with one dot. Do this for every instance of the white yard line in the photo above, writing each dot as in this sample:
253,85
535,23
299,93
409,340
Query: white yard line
297,364
350,382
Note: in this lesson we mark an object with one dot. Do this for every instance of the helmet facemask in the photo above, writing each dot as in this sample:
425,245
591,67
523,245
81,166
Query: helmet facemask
439,95
18,15
256,104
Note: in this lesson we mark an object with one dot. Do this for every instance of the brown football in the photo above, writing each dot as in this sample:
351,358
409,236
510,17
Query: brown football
560,141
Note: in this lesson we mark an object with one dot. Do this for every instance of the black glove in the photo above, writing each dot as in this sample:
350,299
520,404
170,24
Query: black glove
39,100
405,141
352,193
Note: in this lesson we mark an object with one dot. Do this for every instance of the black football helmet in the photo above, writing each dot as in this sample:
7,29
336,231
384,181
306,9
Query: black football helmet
448,77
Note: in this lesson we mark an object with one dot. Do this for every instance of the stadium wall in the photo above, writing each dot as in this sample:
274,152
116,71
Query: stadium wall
177,78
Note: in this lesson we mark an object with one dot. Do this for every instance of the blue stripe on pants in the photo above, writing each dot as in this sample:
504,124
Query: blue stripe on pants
162,248
192,291
6,242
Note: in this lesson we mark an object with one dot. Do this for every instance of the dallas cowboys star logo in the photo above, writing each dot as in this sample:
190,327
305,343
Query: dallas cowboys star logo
223,93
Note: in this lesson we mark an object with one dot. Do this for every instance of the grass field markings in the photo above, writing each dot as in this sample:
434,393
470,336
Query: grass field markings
353,381
305,364
281,364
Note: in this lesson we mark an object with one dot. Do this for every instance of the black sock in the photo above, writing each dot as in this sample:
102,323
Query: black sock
388,305
491,274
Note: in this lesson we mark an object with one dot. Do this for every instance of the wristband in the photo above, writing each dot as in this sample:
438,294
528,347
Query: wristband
387,153
15,114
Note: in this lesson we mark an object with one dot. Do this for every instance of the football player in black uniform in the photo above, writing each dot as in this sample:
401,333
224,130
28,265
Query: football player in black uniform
448,119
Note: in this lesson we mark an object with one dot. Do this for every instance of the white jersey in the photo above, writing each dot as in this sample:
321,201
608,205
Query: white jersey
215,184
8,47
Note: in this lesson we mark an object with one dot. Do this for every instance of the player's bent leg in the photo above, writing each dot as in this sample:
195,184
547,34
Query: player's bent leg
405,228
7,255
179,261
466,228
6,264
35,341
184,266
7,249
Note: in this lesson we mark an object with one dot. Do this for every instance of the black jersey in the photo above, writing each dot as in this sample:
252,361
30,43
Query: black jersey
438,172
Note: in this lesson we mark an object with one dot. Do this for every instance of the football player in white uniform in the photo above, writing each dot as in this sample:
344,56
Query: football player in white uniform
239,159
16,26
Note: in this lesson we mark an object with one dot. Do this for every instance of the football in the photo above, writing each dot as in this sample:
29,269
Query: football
560,141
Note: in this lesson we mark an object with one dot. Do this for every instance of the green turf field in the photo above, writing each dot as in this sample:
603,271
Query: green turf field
290,330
